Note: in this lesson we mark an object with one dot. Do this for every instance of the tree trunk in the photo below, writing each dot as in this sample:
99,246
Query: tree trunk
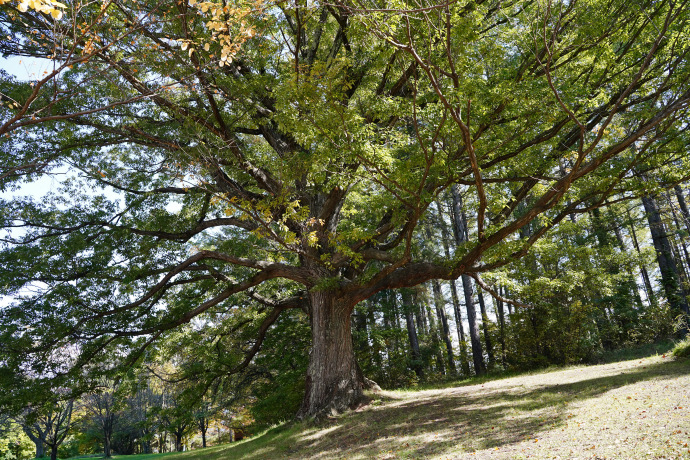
53,452
683,207
106,446
439,303
178,442
412,332
461,235
445,239
485,327
333,384
664,255
651,297
37,440
502,326
40,448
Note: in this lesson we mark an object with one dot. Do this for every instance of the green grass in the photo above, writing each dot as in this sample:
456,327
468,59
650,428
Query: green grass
638,408
682,349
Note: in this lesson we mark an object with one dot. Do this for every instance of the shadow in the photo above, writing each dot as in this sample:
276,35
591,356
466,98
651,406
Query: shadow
435,421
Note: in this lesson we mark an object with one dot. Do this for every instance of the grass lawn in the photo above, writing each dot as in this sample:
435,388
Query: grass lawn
632,409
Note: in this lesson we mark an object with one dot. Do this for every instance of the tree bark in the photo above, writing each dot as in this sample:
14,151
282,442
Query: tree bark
651,297
664,255
502,324
333,384
439,303
683,206
445,240
485,327
412,332
461,235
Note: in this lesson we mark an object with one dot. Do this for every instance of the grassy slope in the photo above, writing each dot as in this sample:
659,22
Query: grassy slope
631,409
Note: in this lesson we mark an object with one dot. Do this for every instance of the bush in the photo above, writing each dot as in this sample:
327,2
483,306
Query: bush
682,349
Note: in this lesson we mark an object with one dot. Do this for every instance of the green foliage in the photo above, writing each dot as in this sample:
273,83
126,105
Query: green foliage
279,388
682,349
15,445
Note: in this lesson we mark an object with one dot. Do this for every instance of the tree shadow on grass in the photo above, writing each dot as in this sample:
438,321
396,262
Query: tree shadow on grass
466,418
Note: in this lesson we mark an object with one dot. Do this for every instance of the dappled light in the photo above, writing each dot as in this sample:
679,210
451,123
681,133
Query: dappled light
577,411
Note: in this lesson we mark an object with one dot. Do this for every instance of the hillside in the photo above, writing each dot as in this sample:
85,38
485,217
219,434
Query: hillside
631,409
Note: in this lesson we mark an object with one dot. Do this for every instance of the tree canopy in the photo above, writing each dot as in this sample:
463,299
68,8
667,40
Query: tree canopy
219,164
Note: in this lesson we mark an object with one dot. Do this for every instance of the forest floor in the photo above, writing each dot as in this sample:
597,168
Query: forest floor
631,409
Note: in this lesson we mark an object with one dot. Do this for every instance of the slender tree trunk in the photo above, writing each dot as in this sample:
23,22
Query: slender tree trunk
502,326
422,323
461,235
445,239
485,328
53,452
621,245
333,383
412,331
664,255
683,207
651,297
435,342
683,267
439,303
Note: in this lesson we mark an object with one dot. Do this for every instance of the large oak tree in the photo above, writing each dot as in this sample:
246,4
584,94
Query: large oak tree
223,162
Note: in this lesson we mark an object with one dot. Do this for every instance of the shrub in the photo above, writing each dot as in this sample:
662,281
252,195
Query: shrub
682,349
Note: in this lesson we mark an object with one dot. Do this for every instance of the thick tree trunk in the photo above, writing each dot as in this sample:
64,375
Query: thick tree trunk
40,448
333,384
178,442
37,440
106,446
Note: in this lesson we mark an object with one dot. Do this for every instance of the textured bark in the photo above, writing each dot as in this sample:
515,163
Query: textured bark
333,383
664,255
460,226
